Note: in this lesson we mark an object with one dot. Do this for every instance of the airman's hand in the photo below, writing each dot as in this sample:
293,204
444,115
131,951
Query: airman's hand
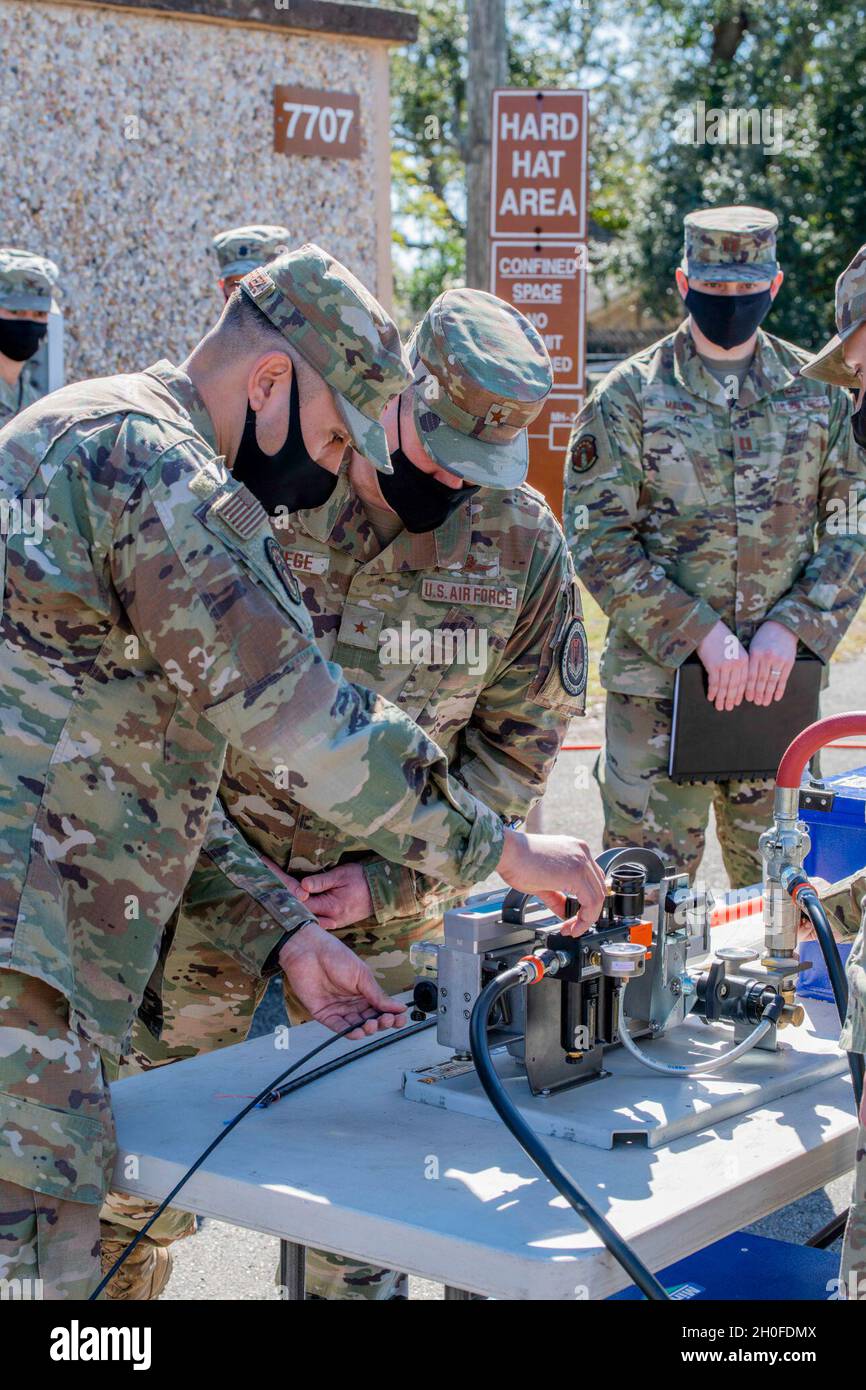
334,986
726,662
338,897
772,653
551,866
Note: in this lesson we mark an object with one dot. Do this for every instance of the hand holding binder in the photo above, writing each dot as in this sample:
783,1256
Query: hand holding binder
744,743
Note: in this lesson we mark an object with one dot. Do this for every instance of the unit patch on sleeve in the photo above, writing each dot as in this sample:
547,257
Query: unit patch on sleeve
274,552
574,658
584,453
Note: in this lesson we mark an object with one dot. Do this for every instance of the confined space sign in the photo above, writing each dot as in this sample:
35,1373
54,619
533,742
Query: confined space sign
546,281
539,167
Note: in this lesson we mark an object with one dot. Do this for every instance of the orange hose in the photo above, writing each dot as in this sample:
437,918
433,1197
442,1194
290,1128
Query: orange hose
732,912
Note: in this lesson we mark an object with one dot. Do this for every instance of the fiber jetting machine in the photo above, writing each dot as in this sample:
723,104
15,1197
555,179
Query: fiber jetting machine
506,977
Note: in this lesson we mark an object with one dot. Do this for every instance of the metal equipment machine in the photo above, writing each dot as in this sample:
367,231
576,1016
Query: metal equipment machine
627,978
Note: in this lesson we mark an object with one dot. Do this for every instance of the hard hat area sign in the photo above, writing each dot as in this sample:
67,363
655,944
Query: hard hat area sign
539,164
546,281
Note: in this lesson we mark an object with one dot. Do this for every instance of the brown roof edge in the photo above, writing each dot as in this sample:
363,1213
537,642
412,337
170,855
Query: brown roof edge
308,16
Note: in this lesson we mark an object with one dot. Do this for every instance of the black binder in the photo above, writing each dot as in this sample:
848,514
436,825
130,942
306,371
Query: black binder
743,744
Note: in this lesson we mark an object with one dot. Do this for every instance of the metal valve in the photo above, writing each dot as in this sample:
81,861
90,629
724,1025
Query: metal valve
732,956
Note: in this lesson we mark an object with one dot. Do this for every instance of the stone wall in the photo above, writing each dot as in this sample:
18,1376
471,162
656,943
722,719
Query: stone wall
128,137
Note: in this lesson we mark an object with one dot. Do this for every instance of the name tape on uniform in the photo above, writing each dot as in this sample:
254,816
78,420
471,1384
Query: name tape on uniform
468,591
307,561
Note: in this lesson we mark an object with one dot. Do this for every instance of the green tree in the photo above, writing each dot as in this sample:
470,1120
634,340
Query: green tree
547,46
644,66
803,58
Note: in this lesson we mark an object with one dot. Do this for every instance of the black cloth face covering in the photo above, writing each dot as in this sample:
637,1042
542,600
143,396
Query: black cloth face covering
290,478
420,500
858,419
728,319
20,338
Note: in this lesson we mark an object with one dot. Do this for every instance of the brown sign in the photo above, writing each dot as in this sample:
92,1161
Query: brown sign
539,165
327,124
546,281
549,434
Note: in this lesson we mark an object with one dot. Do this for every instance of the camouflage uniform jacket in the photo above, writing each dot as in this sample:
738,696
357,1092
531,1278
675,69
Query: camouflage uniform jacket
681,509
17,397
845,904
153,624
497,569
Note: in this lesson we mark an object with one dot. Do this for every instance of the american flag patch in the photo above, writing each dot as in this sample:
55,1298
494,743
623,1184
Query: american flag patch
258,282
241,511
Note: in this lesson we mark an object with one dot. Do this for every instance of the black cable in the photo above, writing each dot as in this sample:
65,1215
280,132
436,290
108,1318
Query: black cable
806,897
531,1144
827,1234
257,1100
383,1040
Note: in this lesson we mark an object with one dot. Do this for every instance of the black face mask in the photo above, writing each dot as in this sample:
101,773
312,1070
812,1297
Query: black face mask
290,478
728,319
20,338
420,500
858,420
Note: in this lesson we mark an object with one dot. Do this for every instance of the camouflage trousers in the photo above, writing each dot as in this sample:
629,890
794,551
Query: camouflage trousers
642,806
853,1271
56,1145
209,1002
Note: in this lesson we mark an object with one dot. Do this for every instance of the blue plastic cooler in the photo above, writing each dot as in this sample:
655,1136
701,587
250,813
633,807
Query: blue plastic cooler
839,833
835,812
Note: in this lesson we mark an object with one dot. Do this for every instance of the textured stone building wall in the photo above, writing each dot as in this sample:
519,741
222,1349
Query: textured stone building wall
127,139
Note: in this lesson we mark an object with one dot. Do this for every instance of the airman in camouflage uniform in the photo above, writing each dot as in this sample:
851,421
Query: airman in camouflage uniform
687,505
27,286
242,249
155,624
845,905
842,362
493,584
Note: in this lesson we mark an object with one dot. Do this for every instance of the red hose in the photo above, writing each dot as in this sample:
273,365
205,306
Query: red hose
595,747
815,737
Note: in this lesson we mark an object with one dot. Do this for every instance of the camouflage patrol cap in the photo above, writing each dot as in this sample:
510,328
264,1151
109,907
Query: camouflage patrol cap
344,334
482,375
243,248
736,243
830,364
27,281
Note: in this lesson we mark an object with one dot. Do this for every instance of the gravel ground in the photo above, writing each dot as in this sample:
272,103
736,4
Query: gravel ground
227,1262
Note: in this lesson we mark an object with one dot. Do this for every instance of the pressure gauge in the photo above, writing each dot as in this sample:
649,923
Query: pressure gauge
623,959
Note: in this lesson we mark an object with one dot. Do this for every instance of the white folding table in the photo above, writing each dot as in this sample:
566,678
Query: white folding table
350,1165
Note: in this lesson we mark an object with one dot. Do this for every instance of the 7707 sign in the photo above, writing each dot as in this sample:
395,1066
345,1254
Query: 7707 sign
327,124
